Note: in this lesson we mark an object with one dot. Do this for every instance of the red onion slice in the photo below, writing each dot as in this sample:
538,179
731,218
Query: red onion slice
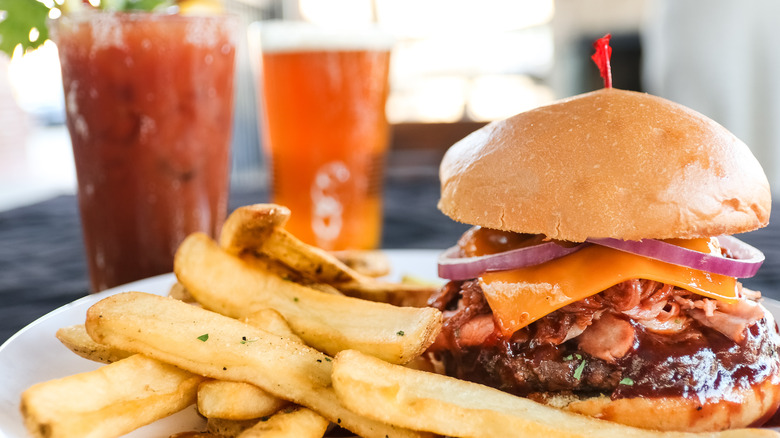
453,267
745,264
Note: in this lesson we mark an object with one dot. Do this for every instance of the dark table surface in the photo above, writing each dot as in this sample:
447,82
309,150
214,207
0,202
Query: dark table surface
42,265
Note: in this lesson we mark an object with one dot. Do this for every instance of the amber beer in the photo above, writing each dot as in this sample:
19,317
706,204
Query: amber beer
325,132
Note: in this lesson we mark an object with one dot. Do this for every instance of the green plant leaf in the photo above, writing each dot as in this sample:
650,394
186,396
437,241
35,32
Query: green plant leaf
17,18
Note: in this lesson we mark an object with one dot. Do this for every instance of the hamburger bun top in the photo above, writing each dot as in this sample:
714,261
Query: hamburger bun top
610,163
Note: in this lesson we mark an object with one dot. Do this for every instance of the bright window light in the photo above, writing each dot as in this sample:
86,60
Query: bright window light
35,78
493,97
455,59
424,18
34,34
337,12
429,100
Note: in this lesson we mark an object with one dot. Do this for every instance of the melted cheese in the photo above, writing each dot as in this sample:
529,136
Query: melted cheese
521,296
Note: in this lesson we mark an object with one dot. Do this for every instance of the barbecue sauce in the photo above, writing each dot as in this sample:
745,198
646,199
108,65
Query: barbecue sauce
704,367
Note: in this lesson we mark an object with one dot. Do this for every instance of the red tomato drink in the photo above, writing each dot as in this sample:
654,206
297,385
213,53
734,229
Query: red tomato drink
149,101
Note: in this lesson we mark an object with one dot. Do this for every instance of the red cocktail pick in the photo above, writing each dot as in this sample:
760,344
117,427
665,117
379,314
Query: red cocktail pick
601,58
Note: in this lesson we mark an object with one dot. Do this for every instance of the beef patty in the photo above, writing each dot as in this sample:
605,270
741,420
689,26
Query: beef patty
610,344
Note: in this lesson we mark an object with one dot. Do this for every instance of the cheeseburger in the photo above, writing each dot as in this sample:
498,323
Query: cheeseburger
600,275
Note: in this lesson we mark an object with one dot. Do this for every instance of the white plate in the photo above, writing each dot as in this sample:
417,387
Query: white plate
34,355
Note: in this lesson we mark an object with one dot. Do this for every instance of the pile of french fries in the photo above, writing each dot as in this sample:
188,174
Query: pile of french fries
271,337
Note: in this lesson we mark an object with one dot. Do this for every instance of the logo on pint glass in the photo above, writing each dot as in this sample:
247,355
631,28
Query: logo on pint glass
327,215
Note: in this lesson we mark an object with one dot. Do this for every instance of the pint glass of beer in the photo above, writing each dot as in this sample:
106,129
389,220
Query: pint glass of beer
322,94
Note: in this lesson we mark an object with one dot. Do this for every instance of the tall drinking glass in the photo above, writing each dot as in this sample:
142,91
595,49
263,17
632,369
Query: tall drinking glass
149,101
325,133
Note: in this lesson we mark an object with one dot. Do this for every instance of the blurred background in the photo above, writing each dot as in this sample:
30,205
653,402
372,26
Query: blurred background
457,65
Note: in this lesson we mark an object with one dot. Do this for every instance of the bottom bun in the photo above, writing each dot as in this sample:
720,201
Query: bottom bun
749,407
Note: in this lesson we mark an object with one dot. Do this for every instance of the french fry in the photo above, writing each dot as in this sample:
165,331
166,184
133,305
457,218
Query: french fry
78,341
419,281
448,406
108,402
248,227
223,348
311,261
196,435
236,401
321,266
259,229
369,263
289,423
324,288
265,264
228,428
273,322
329,323
398,294
239,400
181,293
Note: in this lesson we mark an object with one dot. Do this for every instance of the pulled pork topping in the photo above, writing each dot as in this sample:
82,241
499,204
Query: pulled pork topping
659,308
639,331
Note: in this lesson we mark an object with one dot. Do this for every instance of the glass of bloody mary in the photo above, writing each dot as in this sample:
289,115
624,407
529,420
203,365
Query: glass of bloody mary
149,100
325,134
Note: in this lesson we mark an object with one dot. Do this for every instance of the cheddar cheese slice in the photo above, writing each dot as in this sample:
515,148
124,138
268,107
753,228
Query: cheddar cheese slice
521,296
